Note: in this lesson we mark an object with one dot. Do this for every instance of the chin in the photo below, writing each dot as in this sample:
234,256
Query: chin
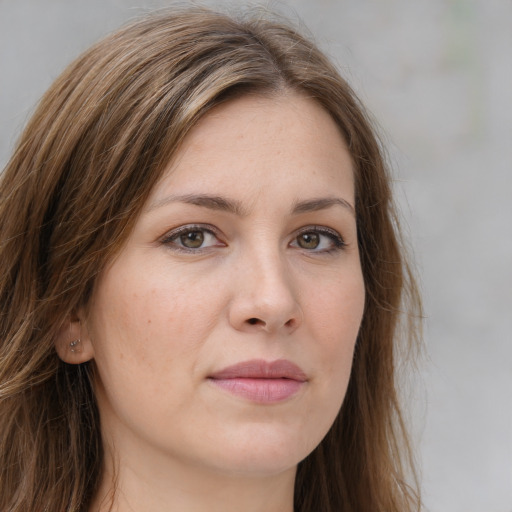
264,452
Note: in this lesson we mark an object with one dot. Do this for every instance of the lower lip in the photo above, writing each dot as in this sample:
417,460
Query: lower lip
260,390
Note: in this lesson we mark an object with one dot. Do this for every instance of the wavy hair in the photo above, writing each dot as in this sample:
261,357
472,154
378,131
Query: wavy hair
82,170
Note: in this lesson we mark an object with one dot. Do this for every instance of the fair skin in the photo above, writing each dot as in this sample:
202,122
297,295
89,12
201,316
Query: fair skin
246,251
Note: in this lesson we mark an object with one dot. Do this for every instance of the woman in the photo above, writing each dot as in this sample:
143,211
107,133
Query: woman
202,282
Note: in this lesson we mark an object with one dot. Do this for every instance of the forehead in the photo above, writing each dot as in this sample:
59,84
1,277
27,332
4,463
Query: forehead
256,143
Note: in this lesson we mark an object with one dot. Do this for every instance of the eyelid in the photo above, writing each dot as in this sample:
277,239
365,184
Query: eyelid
337,241
336,238
174,233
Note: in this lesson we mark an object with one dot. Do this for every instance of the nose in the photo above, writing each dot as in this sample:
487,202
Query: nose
265,297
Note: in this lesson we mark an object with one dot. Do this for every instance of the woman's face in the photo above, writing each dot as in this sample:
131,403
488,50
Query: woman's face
223,333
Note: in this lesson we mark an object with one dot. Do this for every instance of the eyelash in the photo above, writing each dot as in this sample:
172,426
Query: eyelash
170,239
334,236
175,234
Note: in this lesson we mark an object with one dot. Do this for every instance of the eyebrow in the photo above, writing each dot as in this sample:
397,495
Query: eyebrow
322,203
220,203
206,201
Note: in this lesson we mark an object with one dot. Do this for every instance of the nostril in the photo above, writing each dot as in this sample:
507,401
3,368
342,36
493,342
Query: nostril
253,321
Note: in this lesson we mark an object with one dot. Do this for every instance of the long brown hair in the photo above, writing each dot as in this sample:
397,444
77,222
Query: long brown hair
82,171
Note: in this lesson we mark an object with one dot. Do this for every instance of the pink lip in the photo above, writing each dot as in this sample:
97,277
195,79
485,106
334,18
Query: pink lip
261,381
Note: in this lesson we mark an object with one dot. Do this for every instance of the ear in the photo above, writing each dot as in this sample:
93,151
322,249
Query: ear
73,343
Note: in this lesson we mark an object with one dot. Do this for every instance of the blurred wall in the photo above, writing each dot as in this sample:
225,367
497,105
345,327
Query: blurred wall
437,74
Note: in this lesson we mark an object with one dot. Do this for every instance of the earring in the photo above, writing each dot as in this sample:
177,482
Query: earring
75,345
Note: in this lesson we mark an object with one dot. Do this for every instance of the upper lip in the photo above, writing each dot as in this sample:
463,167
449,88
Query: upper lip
261,369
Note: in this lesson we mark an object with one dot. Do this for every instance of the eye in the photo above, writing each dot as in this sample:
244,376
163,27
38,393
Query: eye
318,239
308,240
191,238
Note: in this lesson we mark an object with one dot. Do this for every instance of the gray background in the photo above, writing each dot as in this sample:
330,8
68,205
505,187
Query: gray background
437,74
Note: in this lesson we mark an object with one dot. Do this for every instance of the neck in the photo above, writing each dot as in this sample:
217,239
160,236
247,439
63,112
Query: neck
170,485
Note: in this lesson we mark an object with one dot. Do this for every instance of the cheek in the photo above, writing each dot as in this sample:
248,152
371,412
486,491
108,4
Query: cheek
334,312
150,320
147,335
337,312
177,313
338,306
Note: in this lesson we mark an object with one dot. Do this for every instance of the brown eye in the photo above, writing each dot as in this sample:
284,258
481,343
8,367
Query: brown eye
308,240
192,239
318,240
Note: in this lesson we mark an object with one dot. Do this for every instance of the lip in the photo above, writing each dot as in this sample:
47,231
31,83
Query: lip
261,381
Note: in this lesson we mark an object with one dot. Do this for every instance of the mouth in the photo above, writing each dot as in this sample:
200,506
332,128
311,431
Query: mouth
261,381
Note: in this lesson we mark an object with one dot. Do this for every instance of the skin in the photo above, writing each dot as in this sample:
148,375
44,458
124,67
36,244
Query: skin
266,283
